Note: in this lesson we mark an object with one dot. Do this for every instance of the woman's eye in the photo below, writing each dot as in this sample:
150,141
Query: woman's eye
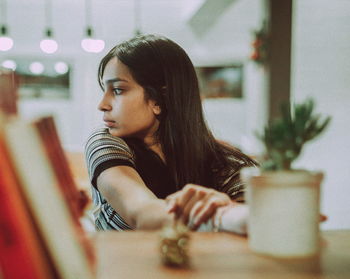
117,91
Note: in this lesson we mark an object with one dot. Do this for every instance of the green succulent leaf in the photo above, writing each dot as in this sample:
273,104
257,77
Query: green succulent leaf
285,137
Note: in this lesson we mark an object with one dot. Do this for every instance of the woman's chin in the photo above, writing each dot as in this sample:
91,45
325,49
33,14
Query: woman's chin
115,132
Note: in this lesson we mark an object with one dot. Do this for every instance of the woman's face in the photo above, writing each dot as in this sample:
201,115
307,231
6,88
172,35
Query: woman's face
126,112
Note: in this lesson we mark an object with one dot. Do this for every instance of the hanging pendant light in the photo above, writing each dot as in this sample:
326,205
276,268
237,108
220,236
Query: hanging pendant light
92,45
48,44
6,43
137,18
89,44
9,64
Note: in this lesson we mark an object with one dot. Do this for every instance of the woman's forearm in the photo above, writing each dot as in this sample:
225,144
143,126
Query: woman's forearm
234,219
125,191
230,218
152,215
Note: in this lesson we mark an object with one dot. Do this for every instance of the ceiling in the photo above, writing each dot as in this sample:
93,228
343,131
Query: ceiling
221,24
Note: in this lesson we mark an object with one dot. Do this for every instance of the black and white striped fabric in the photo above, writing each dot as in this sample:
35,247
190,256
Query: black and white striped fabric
101,148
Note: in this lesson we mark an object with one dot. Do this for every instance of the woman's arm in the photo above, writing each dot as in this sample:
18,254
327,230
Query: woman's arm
126,192
111,167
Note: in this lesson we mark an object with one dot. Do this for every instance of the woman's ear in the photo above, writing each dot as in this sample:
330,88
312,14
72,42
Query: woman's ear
155,107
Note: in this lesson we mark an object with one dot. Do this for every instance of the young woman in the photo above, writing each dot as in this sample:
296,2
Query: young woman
156,156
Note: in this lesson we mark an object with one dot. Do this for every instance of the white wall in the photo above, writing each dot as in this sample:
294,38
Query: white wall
74,117
229,41
321,70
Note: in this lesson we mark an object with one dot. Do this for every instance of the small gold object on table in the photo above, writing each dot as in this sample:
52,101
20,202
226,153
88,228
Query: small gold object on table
174,245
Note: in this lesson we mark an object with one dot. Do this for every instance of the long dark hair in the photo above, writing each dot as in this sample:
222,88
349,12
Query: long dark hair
168,77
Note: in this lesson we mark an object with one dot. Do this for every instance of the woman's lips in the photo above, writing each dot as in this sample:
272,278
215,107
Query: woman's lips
109,123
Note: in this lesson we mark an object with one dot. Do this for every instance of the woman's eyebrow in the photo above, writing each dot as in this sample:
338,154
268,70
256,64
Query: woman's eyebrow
108,81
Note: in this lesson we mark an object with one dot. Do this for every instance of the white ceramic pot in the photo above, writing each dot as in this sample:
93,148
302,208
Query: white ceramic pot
283,212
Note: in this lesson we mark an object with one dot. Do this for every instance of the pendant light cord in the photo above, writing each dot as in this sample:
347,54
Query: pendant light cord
88,18
48,18
137,17
88,12
3,19
3,10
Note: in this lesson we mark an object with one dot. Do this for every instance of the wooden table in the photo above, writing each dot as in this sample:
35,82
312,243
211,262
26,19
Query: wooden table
216,255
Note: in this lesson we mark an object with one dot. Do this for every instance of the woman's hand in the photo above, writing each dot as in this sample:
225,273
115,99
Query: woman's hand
195,204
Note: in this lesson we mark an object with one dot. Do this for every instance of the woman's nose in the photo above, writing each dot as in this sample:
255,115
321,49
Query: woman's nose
104,105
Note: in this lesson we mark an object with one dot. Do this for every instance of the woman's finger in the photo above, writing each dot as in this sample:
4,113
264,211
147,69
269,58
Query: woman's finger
207,212
179,199
185,195
194,199
194,212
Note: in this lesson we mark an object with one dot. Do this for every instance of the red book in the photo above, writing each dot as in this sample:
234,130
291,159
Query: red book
75,200
22,253
54,151
63,238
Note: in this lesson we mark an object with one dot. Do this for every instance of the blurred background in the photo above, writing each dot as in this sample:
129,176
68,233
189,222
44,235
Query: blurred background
309,50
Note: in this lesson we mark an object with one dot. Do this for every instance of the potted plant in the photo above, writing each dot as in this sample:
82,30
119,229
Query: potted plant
283,201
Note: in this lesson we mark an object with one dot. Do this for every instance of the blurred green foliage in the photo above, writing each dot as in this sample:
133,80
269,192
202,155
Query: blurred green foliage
285,137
